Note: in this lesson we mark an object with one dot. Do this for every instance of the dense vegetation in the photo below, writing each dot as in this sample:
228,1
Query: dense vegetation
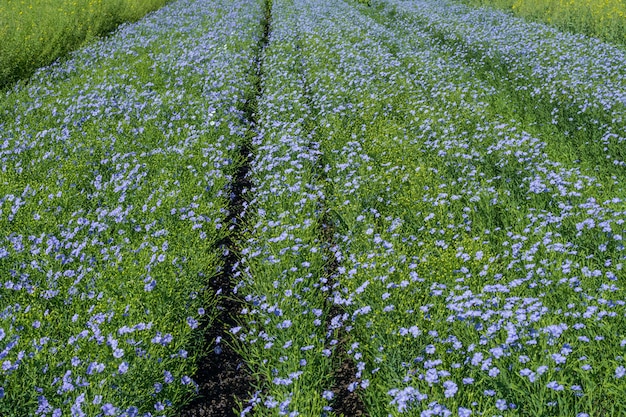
604,19
114,166
34,32
433,203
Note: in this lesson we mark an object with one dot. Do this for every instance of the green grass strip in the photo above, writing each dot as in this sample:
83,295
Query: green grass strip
35,33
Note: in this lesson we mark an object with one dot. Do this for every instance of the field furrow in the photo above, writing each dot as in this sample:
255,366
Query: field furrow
459,235
411,207
282,332
113,199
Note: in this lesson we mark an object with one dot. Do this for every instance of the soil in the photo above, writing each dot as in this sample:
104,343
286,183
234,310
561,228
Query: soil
223,377
347,403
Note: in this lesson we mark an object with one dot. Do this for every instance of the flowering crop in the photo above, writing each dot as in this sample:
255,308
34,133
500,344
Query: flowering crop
436,193
114,172
573,82
478,270
282,270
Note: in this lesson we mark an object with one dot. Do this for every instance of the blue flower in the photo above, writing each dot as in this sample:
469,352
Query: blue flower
464,412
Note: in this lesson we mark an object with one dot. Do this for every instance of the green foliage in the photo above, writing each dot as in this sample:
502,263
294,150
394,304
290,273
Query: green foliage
36,32
604,19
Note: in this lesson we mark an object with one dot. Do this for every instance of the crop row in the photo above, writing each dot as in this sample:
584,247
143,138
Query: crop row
601,19
478,260
436,194
573,82
284,256
113,197
480,272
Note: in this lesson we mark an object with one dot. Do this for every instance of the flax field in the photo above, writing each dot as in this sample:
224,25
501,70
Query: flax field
339,208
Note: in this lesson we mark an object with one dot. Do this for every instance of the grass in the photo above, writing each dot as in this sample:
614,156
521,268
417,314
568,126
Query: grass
604,19
35,33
